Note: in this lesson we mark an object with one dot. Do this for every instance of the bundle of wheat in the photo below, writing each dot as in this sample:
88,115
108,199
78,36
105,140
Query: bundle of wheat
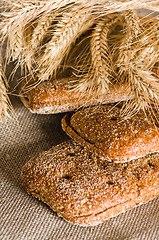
40,35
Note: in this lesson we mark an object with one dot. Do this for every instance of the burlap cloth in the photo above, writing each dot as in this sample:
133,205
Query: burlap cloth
23,217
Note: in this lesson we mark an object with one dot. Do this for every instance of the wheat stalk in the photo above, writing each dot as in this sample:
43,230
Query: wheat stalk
102,65
4,100
146,90
35,33
22,16
135,62
69,27
15,35
115,5
133,31
41,30
99,75
27,11
13,28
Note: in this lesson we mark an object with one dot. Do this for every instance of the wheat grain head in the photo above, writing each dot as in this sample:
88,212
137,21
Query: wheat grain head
66,31
135,62
4,100
100,72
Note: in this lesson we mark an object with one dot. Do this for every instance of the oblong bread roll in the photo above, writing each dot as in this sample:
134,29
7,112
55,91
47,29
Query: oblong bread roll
58,96
101,129
85,189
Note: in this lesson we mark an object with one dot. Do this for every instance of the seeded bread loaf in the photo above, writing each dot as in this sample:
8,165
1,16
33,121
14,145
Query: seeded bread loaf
58,96
102,130
86,189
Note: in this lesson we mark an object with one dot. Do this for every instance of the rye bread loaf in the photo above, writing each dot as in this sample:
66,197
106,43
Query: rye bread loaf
102,130
86,189
58,96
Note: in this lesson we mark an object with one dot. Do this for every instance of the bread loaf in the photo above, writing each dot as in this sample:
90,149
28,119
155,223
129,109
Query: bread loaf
86,189
101,129
58,96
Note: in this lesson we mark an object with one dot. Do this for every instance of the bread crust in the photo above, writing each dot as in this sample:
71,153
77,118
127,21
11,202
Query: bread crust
58,96
102,130
86,189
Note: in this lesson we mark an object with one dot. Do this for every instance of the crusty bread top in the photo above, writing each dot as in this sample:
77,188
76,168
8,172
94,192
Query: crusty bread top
58,96
101,129
81,186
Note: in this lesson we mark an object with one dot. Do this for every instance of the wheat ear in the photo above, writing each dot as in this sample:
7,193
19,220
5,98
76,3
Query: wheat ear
133,30
146,88
100,72
27,11
110,5
135,67
13,28
102,67
113,6
41,30
4,100
51,58
147,56
67,30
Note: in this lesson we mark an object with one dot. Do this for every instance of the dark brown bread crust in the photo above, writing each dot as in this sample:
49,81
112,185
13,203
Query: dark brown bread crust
86,189
57,96
101,130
